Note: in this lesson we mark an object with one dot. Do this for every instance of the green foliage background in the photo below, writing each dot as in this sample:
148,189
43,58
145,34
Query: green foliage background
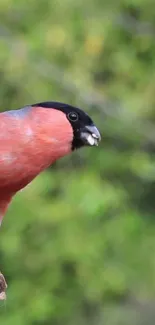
78,245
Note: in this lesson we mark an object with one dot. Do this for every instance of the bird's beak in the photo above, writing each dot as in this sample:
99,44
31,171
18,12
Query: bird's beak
90,135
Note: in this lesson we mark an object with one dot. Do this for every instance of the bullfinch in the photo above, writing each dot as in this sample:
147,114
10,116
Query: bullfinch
34,137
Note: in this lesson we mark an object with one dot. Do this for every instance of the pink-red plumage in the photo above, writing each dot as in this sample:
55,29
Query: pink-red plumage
29,143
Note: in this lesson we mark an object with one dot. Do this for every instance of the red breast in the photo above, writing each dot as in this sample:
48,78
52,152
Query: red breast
29,145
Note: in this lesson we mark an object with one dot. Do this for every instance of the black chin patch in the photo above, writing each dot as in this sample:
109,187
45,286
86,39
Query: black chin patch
77,143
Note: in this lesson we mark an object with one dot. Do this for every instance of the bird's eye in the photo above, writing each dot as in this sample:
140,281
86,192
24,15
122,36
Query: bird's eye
72,116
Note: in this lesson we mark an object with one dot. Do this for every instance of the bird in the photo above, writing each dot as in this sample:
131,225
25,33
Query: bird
33,137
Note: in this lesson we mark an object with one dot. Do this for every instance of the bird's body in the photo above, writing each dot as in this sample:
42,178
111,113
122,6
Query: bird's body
31,139
28,146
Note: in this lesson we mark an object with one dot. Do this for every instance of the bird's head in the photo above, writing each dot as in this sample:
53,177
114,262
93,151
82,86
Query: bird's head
84,132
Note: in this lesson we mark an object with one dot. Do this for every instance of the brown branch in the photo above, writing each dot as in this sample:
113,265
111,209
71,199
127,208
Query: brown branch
3,287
